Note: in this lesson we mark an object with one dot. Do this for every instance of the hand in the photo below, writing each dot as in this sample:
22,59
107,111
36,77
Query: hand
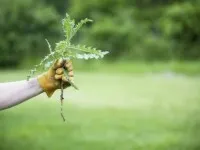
51,80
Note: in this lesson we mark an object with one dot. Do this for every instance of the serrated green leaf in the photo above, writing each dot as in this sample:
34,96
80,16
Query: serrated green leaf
64,49
79,25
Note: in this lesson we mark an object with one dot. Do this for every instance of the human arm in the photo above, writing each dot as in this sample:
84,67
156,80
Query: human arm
14,93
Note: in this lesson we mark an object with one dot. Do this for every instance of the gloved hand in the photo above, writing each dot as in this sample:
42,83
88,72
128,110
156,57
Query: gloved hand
51,80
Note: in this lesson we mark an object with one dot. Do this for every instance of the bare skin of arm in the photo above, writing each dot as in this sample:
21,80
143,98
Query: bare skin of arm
14,93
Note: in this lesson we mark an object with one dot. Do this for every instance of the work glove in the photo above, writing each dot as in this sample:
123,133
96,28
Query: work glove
51,80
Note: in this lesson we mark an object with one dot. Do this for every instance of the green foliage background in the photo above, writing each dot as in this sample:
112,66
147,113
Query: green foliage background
142,30
24,25
121,103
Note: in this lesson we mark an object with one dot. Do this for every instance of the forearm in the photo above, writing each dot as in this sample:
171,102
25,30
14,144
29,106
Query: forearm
14,93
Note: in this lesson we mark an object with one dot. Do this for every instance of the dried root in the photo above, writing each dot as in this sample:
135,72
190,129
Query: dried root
61,101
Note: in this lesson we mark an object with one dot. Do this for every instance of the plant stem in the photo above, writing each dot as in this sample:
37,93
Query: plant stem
72,84
61,100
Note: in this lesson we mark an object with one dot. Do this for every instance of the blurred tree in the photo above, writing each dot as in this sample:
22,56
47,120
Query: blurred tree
24,25
180,22
131,29
60,6
122,28
139,29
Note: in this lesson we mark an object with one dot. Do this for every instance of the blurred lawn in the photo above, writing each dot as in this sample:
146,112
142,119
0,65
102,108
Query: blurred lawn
136,67
110,112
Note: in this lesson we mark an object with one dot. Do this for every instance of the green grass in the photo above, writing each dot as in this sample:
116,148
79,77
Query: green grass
114,111
136,67
186,67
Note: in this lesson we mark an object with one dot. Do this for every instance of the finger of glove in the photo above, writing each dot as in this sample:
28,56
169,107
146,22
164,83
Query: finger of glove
70,68
71,73
58,77
59,71
59,63
65,79
68,65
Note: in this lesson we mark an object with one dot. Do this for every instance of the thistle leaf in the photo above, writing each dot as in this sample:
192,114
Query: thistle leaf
83,49
50,49
79,25
64,49
68,26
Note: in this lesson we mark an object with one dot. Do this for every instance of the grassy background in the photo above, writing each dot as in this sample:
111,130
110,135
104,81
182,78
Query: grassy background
111,111
136,67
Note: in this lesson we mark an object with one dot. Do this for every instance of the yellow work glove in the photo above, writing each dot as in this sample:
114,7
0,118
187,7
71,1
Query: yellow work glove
51,80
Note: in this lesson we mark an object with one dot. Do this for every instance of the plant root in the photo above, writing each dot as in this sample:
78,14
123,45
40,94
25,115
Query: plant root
61,101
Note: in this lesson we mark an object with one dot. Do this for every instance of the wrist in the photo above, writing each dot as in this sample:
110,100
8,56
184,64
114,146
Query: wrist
47,84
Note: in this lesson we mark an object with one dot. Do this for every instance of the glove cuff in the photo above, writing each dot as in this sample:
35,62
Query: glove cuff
44,84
